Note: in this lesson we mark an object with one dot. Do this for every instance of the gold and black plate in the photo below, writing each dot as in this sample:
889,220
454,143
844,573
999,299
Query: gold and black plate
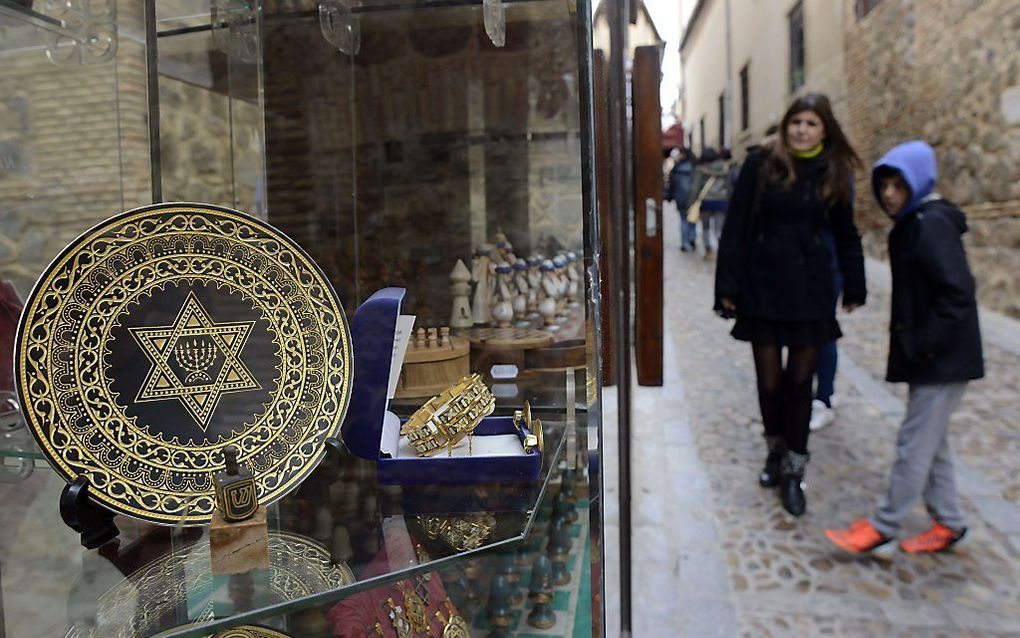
141,604
168,332
251,631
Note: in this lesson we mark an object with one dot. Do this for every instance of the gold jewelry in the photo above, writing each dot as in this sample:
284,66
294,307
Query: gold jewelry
399,620
414,606
454,625
532,429
446,419
461,533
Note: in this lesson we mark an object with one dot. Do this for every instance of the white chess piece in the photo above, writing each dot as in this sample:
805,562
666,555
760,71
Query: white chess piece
460,289
502,307
520,269
559,264
481,305
550,289
573,280
534,284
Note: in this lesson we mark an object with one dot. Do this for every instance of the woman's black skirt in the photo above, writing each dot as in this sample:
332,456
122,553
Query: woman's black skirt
786,333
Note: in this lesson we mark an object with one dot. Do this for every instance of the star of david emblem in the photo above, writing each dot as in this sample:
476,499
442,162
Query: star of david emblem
195,360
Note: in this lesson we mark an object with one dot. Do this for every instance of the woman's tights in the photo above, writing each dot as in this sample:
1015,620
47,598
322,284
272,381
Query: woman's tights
785,394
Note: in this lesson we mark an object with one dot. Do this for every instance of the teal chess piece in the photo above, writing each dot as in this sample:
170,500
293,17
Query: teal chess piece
541,594
499,611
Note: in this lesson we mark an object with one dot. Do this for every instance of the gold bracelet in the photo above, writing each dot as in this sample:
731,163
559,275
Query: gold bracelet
446,419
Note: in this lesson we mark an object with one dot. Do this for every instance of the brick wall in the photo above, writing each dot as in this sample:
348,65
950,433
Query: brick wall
943,71
71,153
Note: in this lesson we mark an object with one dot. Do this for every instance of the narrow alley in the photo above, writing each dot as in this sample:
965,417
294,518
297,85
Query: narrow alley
738,565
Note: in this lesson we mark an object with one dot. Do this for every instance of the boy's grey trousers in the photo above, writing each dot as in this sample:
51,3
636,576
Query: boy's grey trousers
924,464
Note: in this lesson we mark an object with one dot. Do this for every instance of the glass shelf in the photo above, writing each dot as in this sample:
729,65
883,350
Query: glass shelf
340,533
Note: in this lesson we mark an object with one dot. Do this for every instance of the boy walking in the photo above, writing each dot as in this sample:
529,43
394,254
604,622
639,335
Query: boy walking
934,345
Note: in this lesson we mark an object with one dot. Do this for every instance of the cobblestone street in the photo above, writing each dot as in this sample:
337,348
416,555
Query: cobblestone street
737,565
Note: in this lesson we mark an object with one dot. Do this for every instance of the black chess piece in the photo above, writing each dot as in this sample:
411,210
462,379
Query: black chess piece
559,551
561,514
541,594
568,489
499,612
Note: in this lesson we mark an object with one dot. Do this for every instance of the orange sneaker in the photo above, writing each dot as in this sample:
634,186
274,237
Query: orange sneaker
937,539
862,538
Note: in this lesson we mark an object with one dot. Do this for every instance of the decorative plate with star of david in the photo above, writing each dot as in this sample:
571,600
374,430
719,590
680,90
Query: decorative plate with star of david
165,334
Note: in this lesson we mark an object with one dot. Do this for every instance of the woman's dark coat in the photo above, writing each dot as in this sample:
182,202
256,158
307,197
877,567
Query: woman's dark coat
773,262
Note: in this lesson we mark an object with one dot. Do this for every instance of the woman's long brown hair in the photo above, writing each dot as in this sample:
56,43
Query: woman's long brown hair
841,156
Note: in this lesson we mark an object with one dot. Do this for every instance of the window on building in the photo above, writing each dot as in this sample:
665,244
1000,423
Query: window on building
722,119
865,6
796,19
702,133
745,99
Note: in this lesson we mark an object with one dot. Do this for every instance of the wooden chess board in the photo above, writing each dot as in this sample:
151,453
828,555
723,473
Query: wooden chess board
493,337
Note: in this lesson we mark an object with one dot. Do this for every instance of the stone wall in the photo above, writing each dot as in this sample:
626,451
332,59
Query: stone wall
947,72
73,151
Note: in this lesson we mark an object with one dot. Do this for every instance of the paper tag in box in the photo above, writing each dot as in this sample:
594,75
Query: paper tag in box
401,337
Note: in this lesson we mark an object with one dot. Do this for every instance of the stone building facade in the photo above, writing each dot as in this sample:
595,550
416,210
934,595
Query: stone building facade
947,72
758,49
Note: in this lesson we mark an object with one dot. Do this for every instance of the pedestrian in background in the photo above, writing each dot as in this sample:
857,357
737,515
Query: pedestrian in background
934,346
678,191
774,274
711,183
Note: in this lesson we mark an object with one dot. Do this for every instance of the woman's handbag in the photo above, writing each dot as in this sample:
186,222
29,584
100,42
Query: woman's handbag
694,210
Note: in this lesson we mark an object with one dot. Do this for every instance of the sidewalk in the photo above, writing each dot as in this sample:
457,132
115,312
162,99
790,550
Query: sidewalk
714,555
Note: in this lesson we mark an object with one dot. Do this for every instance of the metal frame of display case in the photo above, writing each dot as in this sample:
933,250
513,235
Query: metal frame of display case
584,447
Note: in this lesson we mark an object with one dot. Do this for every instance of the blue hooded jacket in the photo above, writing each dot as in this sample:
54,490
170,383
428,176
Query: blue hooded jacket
915,162
935,335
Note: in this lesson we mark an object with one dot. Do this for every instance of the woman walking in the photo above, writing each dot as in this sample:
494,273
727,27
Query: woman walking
774,274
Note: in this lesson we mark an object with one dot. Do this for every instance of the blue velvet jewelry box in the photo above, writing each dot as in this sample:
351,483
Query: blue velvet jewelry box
494,454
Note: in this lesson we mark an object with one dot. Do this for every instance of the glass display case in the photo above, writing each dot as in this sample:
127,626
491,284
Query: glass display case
438,146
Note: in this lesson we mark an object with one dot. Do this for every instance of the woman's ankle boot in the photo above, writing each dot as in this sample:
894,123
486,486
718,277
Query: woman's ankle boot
769,476
791,488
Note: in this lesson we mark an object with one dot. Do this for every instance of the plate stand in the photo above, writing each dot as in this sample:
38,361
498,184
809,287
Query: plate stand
93,521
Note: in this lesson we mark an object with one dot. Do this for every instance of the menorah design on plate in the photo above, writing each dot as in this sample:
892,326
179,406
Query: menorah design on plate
196,357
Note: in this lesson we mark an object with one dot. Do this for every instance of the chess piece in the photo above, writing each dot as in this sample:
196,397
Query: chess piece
559,550
444,337
433,338
340,549
520,303
564,509
504,248
574,287
506,566
481,308
419,338
534,284
541,594
499,612
502,307
559,270
547,305
460,289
